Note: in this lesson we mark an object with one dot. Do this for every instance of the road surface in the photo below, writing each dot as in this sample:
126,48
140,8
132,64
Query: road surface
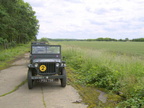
14,92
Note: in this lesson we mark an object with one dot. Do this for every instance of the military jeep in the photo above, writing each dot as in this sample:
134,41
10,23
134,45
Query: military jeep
45,64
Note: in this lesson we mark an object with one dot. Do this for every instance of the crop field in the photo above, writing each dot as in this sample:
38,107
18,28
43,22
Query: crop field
115,66
131,48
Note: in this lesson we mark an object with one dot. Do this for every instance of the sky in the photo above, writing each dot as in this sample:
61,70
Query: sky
89,19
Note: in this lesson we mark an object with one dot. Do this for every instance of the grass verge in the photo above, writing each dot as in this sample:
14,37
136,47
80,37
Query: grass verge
7,56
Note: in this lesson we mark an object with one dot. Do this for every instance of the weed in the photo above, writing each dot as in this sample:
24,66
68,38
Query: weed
16,88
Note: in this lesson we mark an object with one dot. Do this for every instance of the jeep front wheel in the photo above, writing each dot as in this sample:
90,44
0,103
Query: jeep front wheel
63,80
30,82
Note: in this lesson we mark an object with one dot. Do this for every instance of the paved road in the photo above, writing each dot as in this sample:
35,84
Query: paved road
14,92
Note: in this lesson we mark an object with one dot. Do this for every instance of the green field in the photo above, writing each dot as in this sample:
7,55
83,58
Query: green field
115,66
131,48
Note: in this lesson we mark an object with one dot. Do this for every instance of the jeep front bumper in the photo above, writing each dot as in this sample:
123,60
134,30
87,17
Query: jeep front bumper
47,77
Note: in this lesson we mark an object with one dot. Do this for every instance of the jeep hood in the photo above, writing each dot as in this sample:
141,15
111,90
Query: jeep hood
46,60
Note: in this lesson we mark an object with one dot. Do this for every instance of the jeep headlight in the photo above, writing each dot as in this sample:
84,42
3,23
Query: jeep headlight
36,65
57,64
62,64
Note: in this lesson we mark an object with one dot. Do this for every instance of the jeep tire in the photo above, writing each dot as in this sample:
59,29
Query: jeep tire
63,80
30,82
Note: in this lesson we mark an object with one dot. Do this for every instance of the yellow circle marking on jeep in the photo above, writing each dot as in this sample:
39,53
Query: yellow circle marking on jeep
43,68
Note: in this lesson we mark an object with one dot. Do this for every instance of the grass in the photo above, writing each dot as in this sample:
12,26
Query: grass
43,100
130,48
90,94
16,88
9,55
115,66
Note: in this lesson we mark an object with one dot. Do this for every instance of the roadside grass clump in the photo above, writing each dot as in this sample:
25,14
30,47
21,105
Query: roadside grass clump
10,54
117,73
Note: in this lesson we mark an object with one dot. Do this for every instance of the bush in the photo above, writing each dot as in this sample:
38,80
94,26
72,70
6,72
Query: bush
91,73
44,40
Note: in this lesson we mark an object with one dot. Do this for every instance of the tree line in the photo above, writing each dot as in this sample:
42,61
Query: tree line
123,40
18,23
100,39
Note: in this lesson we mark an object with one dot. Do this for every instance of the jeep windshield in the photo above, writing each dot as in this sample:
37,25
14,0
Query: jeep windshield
45,49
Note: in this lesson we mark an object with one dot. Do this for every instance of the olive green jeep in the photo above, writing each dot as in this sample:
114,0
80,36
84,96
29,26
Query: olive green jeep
45,64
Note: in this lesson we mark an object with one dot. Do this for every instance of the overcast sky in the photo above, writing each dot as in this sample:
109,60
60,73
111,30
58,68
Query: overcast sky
85,19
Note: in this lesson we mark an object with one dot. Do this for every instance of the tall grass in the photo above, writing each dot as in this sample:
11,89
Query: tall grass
118,72
10,54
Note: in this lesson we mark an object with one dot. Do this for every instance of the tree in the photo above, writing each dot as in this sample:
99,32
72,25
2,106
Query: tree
126,39
138,40
44,40
18,23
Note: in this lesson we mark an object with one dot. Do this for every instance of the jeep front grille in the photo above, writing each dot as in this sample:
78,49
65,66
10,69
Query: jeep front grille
50,67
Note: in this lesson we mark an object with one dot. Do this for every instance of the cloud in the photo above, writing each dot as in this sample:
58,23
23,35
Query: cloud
73,1
97,23
141,19
89,18
101,11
